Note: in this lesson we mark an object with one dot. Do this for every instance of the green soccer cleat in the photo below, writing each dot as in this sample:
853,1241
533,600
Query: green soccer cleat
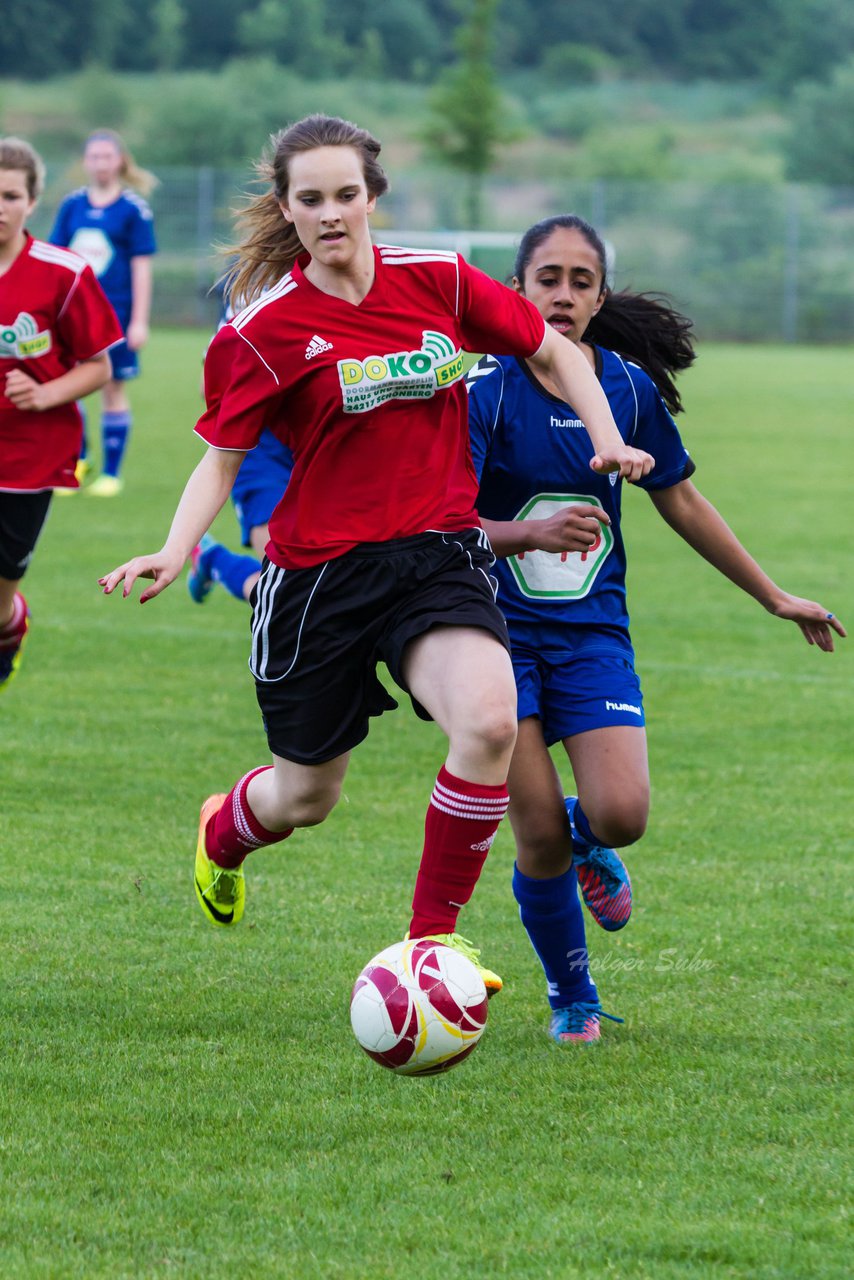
491,980
221,892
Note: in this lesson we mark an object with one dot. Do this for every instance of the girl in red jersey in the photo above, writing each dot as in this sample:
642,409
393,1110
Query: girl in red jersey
353,356
55,329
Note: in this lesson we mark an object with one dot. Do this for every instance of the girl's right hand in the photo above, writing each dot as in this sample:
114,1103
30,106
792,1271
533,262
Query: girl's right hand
162,567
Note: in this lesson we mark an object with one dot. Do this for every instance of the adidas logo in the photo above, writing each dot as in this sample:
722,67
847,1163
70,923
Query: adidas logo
316,347
482,846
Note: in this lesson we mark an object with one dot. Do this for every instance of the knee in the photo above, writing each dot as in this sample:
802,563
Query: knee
310,805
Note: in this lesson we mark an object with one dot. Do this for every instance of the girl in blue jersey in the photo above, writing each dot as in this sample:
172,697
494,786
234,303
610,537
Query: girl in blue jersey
562,588
110,225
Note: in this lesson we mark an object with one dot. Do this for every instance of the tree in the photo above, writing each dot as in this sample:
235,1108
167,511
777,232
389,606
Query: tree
167,35
466,127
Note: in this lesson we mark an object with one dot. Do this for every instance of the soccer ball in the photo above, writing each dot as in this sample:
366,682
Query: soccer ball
418,1007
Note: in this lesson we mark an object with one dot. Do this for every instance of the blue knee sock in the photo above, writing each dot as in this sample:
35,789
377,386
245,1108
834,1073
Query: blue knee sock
553,919
583,837
230,568
84,444
115,429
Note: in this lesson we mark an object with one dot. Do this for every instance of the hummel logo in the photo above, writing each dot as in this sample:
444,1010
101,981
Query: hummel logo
316,347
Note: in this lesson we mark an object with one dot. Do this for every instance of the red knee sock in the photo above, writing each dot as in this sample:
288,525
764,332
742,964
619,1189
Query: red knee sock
461,823
234,831
13,631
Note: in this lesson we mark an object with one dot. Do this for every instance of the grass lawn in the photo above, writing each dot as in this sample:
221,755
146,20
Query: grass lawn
182,1101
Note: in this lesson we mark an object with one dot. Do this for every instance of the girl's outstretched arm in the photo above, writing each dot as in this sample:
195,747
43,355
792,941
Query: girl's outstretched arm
204,495
704,528
567,367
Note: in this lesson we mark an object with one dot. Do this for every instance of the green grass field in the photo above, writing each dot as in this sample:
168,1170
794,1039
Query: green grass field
184,1101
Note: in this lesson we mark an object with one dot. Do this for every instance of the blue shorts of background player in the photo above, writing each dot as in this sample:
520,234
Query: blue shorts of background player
261,481
575,693
124,363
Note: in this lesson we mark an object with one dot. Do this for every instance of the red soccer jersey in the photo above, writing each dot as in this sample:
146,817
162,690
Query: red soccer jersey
369,398
53,314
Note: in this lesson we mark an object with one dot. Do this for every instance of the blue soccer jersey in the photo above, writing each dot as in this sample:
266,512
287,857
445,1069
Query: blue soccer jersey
107,238
532,457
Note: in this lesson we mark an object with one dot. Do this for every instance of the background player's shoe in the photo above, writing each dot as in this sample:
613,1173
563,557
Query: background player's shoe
105,487
199,582
491,980
604,881
221,892
11,647
578,1023
82,470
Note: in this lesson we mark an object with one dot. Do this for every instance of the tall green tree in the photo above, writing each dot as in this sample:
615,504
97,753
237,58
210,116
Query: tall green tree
466,125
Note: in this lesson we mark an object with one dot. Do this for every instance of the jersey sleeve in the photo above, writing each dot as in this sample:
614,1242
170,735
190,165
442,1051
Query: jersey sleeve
495,318
87,325
659,435
142,242
239,390
485,386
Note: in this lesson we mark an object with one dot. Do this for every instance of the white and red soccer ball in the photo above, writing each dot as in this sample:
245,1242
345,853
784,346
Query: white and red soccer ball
419,1007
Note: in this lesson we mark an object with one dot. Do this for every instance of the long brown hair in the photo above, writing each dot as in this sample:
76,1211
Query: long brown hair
130,172
17,154
644,327
270,245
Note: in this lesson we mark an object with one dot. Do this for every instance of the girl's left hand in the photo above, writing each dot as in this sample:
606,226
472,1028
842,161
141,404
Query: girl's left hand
631,464
812,618
25,393
137,335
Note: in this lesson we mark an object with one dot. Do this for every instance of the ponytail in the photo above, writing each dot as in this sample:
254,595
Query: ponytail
646,329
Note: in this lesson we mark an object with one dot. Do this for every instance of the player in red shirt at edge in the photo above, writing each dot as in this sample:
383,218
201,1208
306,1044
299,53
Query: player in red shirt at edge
55,329
353,356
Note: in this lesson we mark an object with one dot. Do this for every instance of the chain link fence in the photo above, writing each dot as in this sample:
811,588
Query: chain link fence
754,262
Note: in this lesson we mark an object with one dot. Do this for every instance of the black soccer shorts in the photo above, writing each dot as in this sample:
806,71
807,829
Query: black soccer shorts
319,633
22,516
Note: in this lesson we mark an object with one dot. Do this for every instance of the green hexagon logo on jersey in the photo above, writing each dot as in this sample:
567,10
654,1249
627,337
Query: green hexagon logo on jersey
559,575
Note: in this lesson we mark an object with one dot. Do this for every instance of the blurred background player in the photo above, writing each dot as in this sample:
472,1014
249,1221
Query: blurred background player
257,490
110,225
55,329
375,551
562,589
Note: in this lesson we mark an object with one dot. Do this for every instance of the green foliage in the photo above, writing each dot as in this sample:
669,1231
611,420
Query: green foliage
466,124
102,98
168,20
576,64
820,145
180,1101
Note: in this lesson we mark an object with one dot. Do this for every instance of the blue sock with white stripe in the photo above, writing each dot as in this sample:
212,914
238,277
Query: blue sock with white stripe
553,919
230,568
115,429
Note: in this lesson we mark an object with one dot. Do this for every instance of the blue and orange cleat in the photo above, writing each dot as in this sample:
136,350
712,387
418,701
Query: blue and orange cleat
11,646
603,879
578,1023
199,581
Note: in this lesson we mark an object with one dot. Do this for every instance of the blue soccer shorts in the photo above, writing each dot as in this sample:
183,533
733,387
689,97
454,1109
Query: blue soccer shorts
123,362
574,692
258,490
